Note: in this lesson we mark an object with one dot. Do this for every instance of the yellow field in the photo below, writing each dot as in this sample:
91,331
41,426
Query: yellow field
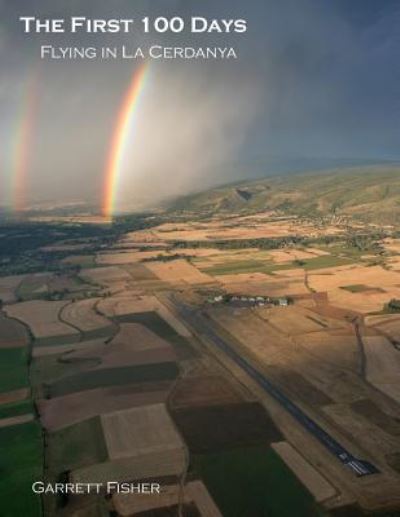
263,285
383,365
295,320
149,466
82,314
42,317
140,431
298,360
59,412
360,302
129,303
289,254
106,275
387,323
178,271
170,495
138,338
373,276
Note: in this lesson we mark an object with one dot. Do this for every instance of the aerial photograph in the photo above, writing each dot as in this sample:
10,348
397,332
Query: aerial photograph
200,258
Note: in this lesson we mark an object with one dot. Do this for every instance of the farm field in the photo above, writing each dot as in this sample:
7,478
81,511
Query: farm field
111,377
13,369
66,410
12,409
105,276
42,317
383,365
194,493
317,485
82,315
198,391
9,286
139,431
163,464
234,228
21,451
105,358
12,333
266,484
307,363
159,326
216,428
178,271
131,304
73,447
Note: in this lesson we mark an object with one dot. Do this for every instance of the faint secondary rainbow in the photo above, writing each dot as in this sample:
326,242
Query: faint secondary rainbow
123,133
22,142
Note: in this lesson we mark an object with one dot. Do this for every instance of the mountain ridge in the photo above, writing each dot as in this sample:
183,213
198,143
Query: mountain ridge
368,193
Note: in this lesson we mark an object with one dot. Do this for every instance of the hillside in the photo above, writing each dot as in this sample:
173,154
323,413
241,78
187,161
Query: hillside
367,193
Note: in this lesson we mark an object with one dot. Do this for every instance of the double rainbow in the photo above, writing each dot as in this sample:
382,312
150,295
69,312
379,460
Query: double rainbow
22,142
122,135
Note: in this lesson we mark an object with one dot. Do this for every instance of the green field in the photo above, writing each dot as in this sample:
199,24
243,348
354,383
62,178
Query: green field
57,340
105,332
112,377
21,463
356,288
240,266
33,287
269,267
49,368
322,262
13,368
254,482
75,446
16,408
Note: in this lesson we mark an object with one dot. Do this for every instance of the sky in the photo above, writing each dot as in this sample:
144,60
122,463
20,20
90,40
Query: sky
314,79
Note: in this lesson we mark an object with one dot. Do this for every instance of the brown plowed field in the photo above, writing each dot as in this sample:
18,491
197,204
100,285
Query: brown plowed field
12,333
69,409
203,391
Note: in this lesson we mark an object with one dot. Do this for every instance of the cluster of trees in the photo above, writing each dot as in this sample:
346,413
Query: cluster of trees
21,243
362,242
394,305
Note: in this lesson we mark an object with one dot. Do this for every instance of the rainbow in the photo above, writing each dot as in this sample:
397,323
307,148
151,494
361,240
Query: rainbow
122,134
22,142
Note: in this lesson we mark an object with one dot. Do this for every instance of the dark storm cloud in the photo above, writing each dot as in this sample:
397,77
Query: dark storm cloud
315,78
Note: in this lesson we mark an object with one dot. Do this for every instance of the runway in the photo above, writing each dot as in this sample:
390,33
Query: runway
358,466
